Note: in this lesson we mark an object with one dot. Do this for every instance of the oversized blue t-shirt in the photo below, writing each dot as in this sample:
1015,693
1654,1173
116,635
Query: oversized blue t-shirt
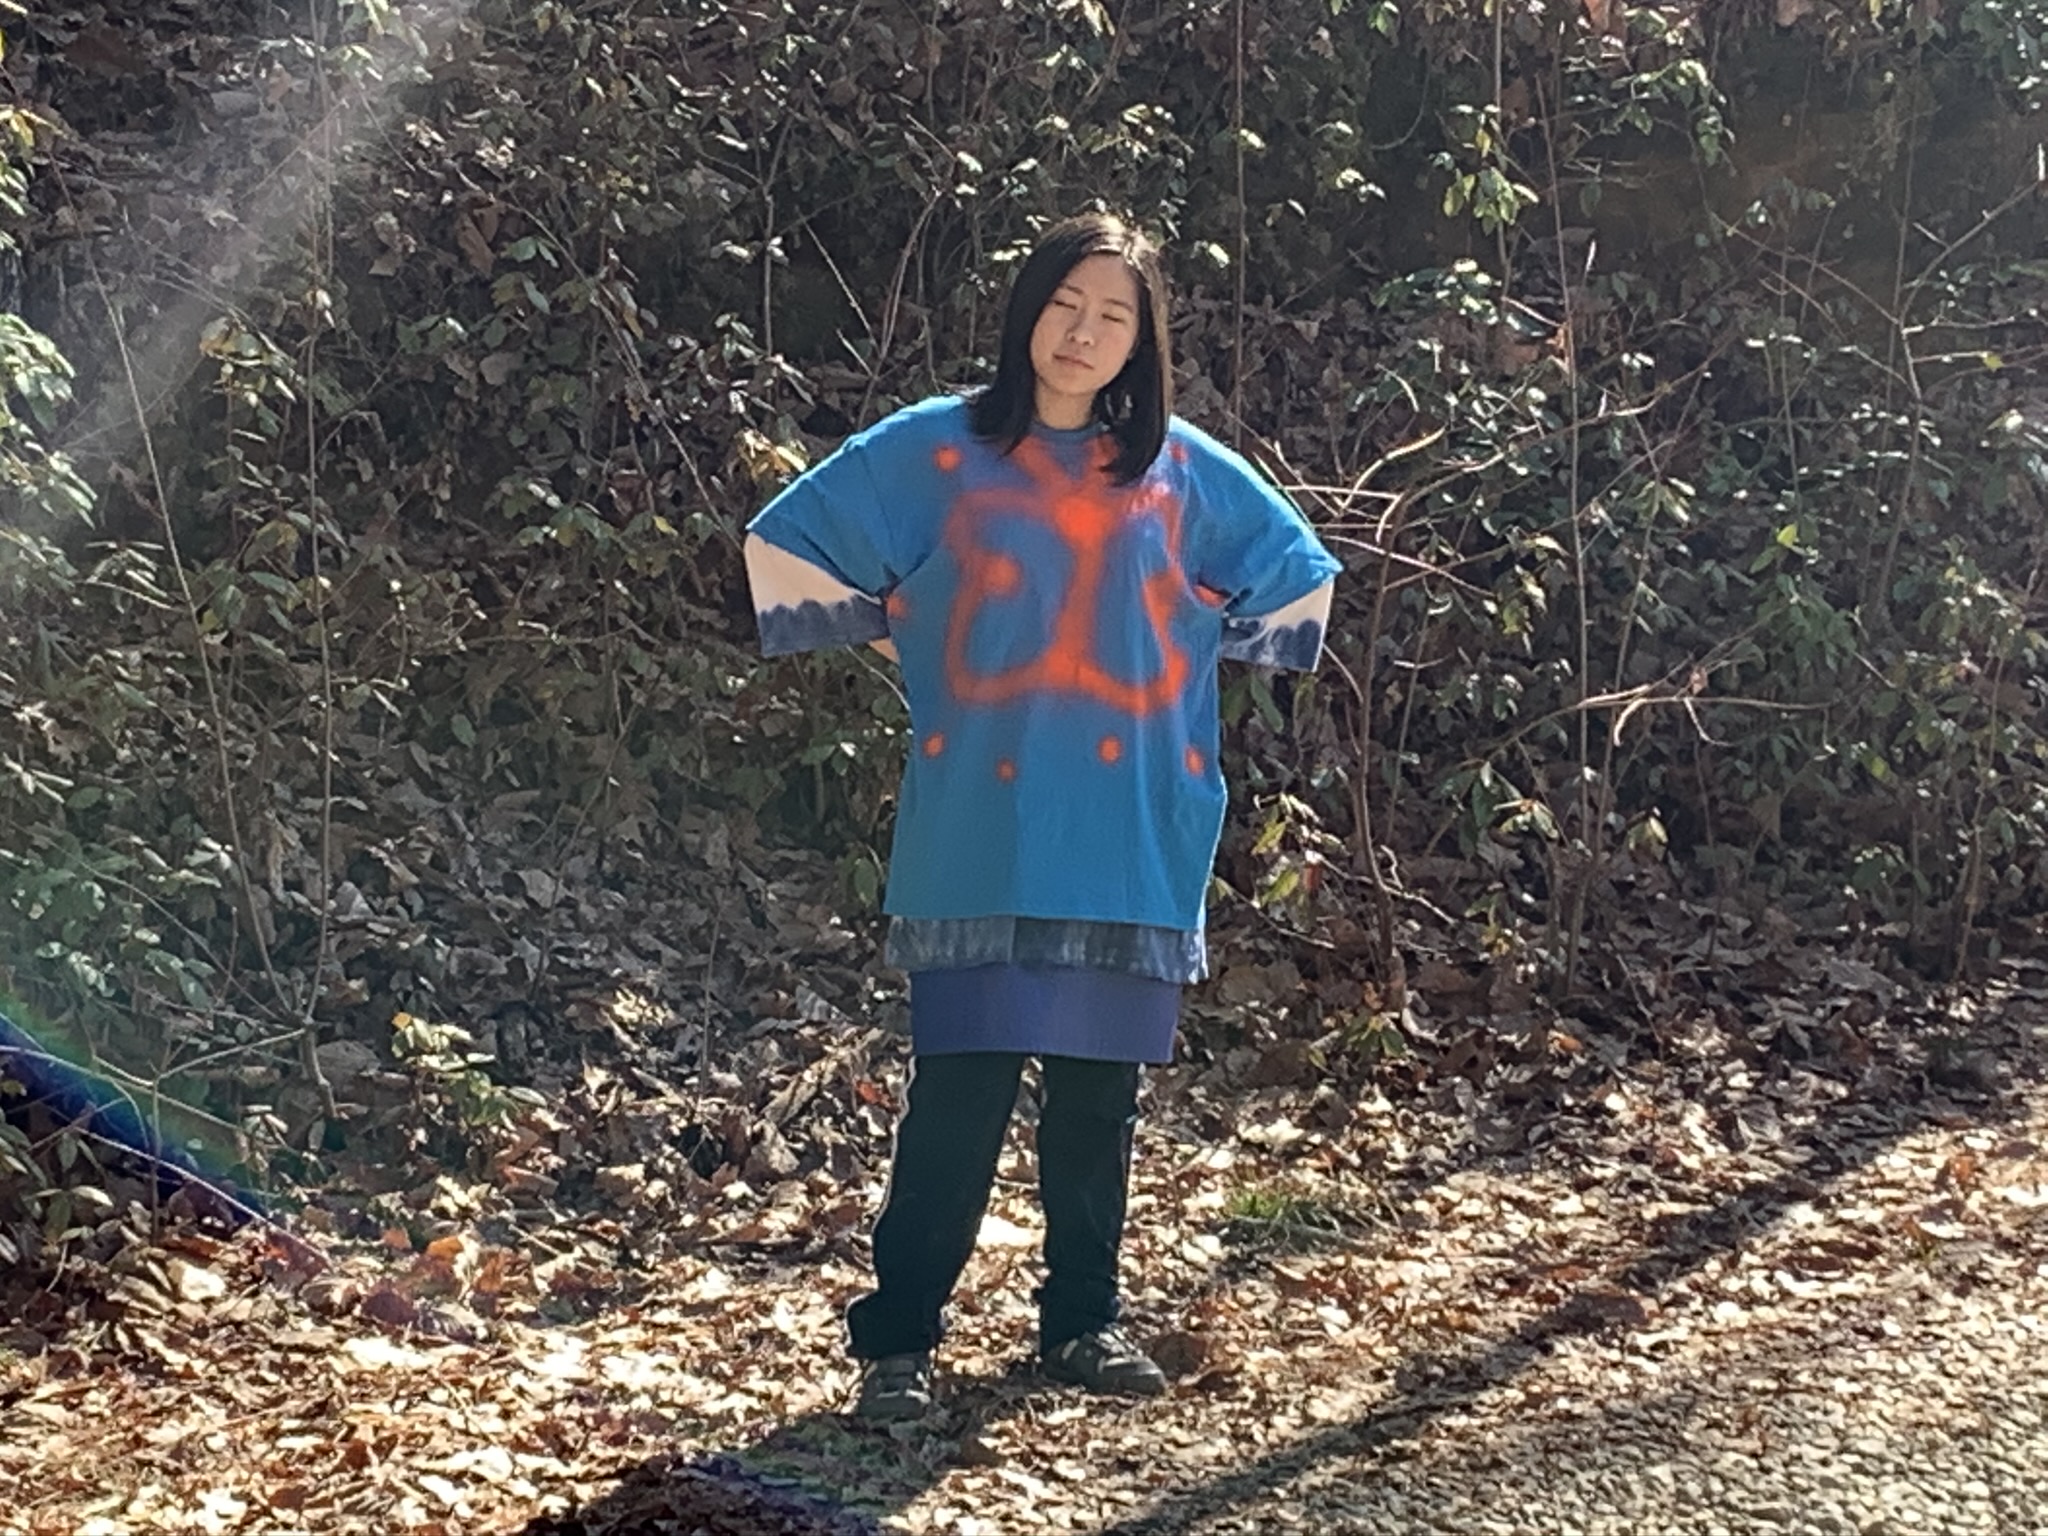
1058,635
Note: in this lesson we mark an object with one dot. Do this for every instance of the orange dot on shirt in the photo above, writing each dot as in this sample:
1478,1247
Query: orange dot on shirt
1006,770
1002,576
1083,521
1109,749
935,743
898,606
1197,764
1179,452
947,458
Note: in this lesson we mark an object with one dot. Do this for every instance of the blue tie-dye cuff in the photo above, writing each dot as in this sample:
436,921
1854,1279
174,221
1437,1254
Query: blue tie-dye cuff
1291,645
814,626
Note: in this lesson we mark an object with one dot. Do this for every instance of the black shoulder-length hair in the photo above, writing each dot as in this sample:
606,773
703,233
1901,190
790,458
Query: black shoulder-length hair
1136,403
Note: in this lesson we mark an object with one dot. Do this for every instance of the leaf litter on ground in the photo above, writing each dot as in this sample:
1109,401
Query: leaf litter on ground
651,1269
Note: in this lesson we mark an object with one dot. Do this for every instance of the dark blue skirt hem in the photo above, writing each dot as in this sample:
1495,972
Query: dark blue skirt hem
1043,1011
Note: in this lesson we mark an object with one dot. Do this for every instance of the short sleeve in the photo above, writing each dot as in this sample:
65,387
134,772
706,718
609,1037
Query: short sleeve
821,558
1251,545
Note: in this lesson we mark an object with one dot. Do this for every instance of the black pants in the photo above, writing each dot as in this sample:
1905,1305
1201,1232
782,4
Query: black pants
946,1149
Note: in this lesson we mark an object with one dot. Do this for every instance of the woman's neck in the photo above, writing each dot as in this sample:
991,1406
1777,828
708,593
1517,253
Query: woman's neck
1063,413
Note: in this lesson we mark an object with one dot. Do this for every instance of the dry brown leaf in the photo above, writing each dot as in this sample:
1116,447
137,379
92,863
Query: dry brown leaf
476,250
387,1305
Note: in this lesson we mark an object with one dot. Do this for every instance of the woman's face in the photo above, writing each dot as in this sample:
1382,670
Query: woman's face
1084,336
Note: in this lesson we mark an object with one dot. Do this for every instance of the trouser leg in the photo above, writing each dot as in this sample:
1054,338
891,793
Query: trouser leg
1084,1166
945,1160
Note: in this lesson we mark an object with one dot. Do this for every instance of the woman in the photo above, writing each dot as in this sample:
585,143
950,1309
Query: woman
1057,563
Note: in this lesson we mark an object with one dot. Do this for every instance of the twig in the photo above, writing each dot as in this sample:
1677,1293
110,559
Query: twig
1592,820
323,262
892,308
305,1254
1238,260
216,708
1419,569
704,1028
872,361
1361,790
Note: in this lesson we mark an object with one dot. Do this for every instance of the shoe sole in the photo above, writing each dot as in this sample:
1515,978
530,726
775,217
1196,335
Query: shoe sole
901,1415
895,1408
1106,1389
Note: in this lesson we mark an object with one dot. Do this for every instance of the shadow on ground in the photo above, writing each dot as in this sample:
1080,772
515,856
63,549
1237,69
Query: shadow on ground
1429,1386
822,1474
842,1479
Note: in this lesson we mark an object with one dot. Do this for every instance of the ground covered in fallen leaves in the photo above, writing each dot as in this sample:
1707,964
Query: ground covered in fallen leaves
1606,1261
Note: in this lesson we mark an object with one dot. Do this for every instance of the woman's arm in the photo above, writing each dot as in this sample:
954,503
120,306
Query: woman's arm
1290,636
801,606
1250,545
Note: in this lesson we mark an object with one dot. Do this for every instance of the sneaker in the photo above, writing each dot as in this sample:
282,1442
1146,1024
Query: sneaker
1107,1360
894,1388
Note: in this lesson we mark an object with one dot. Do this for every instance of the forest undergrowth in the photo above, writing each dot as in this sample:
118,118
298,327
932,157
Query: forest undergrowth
396,819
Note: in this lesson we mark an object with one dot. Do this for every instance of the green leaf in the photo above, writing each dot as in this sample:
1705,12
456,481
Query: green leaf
1647,838
1283,885
1262,701
1269,836
867,884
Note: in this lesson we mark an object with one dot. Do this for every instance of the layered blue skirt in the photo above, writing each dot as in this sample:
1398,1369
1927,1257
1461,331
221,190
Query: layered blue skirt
1043,1011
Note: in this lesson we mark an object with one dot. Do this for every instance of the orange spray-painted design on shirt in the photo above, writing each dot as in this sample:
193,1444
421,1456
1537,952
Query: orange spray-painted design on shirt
1087,514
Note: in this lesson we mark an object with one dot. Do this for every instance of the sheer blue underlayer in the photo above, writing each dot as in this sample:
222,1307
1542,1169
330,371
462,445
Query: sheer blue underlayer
1128,949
